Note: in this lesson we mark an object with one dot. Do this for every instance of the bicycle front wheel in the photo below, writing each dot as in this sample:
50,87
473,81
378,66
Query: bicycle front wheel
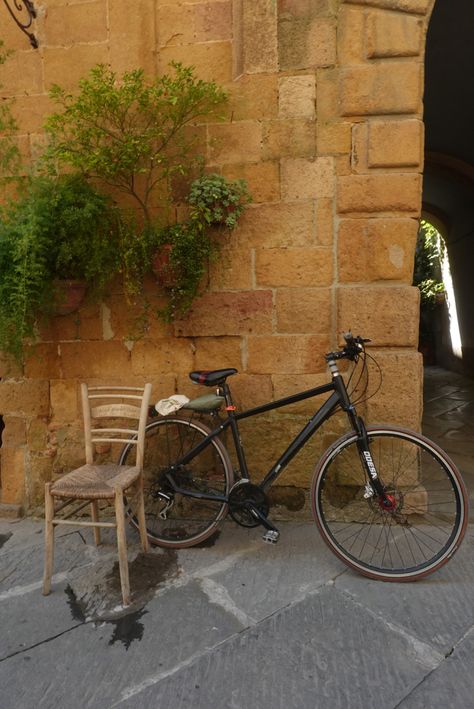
427,514
184,521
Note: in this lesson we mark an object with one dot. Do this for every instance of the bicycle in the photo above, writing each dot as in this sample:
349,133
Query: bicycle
387,501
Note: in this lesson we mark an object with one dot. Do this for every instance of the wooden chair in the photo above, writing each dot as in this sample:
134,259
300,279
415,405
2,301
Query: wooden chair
108,481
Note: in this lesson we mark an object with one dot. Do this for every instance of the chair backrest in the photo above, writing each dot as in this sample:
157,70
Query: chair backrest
109,402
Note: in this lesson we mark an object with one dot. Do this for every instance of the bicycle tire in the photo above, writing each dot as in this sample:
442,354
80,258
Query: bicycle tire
429,518
190,521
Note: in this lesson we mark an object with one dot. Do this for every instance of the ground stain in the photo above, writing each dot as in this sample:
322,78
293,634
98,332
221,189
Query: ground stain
103,601
128,628
4,538
77,608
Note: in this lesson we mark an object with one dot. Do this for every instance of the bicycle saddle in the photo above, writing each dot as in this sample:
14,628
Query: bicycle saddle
210,378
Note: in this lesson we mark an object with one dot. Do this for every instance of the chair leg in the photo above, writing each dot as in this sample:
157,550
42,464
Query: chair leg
95,518
48,539
122,546
141,515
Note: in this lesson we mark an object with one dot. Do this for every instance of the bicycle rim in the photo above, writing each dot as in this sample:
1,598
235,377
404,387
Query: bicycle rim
188,521
428,517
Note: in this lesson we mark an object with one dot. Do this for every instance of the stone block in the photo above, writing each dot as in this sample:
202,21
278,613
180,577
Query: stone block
212,60
294,268
132,40
392,193
286,354
297,96
37,436
64,394
164,356
288,138
125,321
395,143
263,179
39,472
306,42
66,66
400,398
228,313
12,462
419,7
391,35
217,353
304,310
85,360
30,112
42,361
252,96
190,23
327,95
351,43
73,23
387,315
20,397
260,44
232,269
307,179
14,433
305,8
236,142
277,225
249,390
22,73
324,222
376,249
383,88
334,138
288,384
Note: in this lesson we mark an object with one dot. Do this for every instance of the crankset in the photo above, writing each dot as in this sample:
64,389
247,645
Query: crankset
242,498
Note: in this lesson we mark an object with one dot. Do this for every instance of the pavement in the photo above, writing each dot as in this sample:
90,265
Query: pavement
237,623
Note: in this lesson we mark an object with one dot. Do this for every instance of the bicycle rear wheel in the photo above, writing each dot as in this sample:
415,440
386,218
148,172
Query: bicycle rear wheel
188,521
427,518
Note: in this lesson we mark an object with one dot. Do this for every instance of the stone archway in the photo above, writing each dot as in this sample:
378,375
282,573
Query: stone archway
448,185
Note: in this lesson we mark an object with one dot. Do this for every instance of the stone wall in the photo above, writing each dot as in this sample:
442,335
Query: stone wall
324,122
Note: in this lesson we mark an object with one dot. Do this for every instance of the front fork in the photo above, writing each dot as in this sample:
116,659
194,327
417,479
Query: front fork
367,462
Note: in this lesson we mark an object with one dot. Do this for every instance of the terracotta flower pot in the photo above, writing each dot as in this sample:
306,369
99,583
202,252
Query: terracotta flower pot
165,272
69,295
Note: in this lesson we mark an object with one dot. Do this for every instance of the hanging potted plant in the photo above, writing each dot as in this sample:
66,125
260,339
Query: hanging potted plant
60,230
183,250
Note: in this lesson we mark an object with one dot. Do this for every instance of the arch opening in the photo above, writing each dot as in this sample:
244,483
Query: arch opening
448,185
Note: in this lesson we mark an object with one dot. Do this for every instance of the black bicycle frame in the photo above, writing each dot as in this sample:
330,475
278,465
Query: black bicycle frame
339,397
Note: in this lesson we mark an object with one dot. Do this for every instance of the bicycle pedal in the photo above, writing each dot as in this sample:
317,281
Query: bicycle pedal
271,536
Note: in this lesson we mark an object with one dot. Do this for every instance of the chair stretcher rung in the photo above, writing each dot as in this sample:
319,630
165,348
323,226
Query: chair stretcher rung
76,523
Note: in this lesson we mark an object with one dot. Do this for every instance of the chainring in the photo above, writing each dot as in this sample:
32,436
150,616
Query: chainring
240,497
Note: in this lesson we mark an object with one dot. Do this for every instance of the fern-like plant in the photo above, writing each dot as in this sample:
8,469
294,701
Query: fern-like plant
60,228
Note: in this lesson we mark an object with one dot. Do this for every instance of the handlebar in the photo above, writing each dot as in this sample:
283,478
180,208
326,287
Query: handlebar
354,346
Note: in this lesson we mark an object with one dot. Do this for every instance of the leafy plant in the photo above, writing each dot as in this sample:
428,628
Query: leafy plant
131,132
430,250
60,228
217,201
9,153
214,201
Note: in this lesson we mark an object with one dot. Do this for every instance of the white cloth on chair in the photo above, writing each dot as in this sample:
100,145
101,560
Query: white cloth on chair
172,404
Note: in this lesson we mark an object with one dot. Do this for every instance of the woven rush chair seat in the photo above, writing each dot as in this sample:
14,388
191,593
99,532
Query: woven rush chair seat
112,415
95,482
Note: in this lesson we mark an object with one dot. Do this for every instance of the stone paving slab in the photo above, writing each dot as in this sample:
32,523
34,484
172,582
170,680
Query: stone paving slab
436,610
325,651
450,685
92,665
